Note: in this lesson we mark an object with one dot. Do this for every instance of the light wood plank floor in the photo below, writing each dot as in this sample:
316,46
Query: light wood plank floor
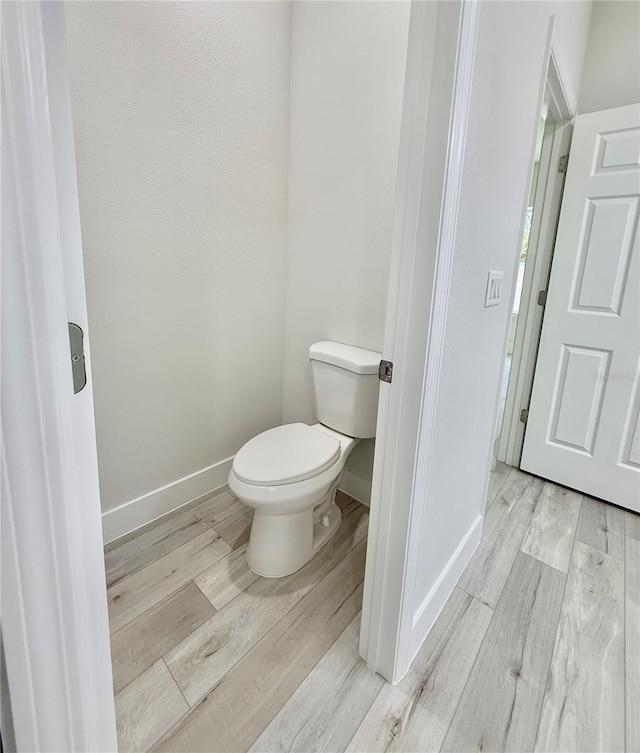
536,650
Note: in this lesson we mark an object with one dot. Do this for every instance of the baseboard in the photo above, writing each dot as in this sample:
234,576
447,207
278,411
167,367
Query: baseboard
138,512
357,487
428,611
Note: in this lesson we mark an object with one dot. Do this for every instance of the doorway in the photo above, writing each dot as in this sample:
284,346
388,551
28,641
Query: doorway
524,249
540,221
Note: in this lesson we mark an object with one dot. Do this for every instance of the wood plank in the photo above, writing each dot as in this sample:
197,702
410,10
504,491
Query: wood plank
171,515
632,643
170,533
133,595
552,530
144,640
249,696
601,526
325,711
500,706
415,714
632,525
505,524
147,708
222,582
497,478
583,707
235,529
202,659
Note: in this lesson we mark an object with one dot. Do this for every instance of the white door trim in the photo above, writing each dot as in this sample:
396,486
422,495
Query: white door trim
53,609
434,122
562,106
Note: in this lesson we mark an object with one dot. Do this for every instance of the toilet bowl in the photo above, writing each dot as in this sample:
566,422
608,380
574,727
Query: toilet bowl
289,475
295,509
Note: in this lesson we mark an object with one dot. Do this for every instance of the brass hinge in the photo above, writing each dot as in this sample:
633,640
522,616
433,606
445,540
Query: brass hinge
524,415
562,163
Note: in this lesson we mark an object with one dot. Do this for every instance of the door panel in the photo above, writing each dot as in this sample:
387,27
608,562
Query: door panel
578,399
585,406
631,452
604,263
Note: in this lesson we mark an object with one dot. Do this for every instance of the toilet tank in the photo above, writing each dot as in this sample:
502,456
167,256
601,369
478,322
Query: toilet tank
345,380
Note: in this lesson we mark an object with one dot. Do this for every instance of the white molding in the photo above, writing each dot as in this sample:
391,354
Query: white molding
136,513
437,98
357,487
53,601
536,276
427,613
437,327
395,443
565,98
169,499
554,84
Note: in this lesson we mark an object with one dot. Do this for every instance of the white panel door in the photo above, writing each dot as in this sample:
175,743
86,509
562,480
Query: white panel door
583,429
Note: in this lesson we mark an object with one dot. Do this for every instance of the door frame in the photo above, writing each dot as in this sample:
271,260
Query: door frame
562,109
53,610
438,83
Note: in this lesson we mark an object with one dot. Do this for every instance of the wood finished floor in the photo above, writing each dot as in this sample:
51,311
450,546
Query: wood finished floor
538,648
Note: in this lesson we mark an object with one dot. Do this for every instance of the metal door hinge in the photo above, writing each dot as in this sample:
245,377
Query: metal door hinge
76,343
524,415
385,371
562,163
542,298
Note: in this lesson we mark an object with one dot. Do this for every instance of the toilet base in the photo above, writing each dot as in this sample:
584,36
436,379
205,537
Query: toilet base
281,545
321,532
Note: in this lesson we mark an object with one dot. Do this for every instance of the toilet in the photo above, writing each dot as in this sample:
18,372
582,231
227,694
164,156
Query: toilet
289,475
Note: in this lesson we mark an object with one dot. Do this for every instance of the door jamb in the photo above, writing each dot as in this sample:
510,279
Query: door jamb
55,627
562,109
438,82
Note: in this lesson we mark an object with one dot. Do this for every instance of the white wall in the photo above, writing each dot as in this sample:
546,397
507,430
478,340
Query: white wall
348,63
612,63
181,125
499,153
182,113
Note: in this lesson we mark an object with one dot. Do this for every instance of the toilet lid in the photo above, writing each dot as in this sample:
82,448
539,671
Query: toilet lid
285,454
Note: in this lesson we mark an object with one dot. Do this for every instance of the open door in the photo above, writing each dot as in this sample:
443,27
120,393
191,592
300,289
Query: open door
583,427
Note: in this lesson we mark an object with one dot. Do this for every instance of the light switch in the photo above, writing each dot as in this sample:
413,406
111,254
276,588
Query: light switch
494,288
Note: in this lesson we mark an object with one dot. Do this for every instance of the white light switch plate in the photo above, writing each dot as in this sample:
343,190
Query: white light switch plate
494,288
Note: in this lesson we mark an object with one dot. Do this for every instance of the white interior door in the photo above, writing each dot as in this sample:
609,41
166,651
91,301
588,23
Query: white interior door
583,429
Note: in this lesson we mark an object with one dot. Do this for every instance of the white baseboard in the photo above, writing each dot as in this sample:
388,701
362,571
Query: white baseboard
357,487
138,512
428,611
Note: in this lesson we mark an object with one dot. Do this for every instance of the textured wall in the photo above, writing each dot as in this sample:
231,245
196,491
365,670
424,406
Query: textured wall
181,124
503,122
612,64
348,63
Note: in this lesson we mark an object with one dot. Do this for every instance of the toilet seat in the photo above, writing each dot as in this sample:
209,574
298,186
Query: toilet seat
286,454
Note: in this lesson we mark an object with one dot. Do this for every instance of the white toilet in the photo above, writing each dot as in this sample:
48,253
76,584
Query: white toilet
290,474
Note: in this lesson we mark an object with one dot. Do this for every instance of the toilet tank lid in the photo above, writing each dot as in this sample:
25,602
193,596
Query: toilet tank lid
348,357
